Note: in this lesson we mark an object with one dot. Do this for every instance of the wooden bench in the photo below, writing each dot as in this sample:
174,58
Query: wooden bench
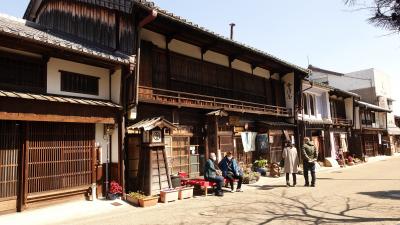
201,183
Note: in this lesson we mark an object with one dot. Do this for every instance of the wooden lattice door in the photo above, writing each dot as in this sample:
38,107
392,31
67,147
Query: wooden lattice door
10,149
59,157
276,145
370,145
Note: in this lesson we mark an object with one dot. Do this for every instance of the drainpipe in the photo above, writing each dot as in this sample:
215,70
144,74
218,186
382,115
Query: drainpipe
148,19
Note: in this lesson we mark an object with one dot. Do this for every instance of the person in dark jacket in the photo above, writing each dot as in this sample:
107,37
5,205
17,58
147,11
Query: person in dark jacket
213,173
231,171
310,156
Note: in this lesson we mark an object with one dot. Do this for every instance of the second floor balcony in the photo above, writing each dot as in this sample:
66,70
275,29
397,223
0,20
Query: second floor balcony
342,122
184,99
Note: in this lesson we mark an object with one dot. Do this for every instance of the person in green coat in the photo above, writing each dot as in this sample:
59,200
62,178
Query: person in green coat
213,173
310,156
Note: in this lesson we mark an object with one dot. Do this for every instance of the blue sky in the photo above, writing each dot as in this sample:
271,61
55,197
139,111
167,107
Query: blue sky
330,34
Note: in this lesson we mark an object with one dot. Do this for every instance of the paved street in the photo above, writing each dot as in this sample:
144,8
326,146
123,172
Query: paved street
368,194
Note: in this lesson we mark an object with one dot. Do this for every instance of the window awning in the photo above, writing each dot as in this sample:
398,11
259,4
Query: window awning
51,108
373,107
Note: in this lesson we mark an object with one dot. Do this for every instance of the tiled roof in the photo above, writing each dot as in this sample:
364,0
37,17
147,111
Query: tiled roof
26,30
60,99
371,106
151,123
316,69
172,16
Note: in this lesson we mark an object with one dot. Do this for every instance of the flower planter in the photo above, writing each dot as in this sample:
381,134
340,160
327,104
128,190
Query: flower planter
148,202
169,195
133,201
185,192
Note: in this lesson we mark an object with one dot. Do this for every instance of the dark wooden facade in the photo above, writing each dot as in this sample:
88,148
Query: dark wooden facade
179,88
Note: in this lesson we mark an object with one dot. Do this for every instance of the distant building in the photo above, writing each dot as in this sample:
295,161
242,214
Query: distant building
374,88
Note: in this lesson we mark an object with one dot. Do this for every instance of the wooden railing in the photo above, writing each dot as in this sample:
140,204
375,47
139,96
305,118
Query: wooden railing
342,122
183,99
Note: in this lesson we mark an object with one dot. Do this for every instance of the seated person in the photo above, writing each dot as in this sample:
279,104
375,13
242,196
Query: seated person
231,171
213,174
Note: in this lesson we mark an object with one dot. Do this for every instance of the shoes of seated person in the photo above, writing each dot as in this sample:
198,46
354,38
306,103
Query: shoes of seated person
232,191
287,184
239,190
306,185
219,193
294,185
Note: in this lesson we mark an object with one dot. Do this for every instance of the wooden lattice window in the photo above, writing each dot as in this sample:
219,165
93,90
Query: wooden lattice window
79,83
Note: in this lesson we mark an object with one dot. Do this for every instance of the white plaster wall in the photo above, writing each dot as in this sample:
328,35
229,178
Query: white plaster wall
242,66
382,84
217,58
156,38
326,106
348,83
261,72
185,49
114,146
54,77
348,104
322,102
101,139
381,119
357,118
332,140
116,86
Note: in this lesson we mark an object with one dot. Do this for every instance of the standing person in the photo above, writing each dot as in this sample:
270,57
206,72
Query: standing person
291,162
213,173
310,156
231,171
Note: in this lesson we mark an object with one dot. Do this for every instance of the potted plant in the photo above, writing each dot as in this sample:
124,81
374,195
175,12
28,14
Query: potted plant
140,199
260,166
250,177
169,195
115,191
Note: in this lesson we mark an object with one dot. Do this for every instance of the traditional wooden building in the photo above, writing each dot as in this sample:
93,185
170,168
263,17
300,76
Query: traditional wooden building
369,129
373,125
342,114
61,102
315,117
214,90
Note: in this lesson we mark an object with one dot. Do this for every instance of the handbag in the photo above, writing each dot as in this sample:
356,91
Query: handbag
282,163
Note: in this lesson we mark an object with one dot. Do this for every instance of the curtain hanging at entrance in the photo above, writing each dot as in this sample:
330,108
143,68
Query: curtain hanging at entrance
249,141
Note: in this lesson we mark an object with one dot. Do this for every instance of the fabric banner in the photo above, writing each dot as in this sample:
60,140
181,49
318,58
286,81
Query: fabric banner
262,143
249,141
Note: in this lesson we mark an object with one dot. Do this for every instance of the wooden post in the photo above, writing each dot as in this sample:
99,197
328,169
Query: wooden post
25,166
167,167
150,169
21,170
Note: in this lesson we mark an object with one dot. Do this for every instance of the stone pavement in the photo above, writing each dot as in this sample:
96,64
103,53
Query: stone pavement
366,194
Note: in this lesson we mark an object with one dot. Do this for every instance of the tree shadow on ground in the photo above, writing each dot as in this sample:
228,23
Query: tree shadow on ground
393,194
328,178
285,209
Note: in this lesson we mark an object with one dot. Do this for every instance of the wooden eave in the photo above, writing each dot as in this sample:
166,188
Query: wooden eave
46,51
34,107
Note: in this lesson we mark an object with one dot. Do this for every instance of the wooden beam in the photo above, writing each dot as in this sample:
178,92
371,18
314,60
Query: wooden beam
55,118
